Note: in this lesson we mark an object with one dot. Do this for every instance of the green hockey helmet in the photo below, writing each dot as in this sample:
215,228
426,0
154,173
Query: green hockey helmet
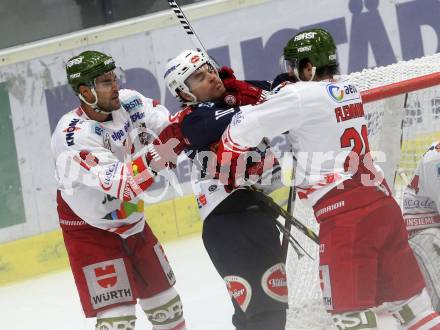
316,45
85,67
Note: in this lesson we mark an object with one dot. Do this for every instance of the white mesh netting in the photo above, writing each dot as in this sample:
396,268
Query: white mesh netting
402,127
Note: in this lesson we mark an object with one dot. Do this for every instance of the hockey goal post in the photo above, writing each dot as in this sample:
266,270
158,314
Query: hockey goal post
402,106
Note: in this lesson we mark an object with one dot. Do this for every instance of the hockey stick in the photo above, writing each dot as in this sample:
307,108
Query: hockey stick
290,239
188,29
269,202
288,225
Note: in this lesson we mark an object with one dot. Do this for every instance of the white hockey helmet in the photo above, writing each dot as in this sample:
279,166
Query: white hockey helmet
180,68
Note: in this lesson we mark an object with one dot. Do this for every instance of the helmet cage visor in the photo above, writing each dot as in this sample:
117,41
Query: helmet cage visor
115,77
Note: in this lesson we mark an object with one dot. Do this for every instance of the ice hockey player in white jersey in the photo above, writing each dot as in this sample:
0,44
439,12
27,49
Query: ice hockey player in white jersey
365,258
421,202
102,170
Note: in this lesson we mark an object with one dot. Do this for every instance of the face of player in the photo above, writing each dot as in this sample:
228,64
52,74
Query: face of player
205,84
107,90
306,72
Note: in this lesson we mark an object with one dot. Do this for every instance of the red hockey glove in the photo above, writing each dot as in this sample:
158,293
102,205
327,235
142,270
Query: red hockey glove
170,143
238,92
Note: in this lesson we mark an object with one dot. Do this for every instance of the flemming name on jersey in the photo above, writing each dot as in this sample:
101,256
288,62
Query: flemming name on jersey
349,111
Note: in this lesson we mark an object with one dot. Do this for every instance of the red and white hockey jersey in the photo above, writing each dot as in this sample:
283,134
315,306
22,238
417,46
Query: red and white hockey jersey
96,168
327,131
421,198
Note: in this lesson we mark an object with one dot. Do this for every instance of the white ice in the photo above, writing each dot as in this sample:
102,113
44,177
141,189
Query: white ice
51,302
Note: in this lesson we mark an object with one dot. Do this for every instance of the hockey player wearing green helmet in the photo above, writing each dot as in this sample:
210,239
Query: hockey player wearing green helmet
103,169
365,259
92,76
310,55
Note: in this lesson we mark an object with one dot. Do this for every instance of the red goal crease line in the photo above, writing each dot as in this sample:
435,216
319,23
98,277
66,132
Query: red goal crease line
401,87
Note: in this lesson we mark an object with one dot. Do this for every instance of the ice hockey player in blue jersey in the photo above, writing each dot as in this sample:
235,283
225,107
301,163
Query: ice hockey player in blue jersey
239,234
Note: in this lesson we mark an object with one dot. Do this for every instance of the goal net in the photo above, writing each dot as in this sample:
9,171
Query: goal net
402,106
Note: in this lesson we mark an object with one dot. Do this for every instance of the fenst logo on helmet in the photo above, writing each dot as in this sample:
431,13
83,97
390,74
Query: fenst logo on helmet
75,75
74,61
109,61
305,35
304,49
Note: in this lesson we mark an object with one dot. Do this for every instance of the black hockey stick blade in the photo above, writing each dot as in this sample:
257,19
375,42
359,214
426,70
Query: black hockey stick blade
268,201
293,242
288,225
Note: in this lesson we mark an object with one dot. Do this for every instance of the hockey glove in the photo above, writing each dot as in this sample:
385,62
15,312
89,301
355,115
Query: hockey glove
170,143
238,92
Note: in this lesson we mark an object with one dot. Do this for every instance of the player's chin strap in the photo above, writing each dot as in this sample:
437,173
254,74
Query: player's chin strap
295,71
93,105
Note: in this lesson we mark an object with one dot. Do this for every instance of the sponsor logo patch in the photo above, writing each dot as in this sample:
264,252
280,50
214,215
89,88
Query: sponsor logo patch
239,289
70,131
106,182
326,288
274,283
212,188
130,105
201,200
305,35
163,260
195,59
342,93
75,61
108,283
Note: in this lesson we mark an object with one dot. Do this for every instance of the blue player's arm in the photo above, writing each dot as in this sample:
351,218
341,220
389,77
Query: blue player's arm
206,124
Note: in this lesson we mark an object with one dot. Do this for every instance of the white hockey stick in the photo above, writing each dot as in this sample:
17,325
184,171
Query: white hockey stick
189,30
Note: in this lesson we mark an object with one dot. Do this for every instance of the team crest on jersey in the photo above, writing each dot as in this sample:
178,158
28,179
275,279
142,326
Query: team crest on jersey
106,141
239,289
342,93
230,100
274,283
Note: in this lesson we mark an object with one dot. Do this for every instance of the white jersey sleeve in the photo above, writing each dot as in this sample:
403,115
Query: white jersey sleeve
421,198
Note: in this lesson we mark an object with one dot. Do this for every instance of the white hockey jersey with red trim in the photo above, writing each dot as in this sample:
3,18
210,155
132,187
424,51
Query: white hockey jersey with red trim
421,198
94,162
326,124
